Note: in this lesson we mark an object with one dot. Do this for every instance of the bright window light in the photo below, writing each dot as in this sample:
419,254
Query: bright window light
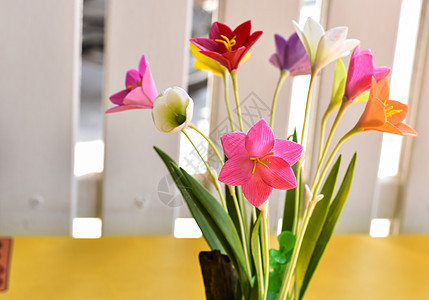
279,226
87,228
379,228
186,228
400,83
89,157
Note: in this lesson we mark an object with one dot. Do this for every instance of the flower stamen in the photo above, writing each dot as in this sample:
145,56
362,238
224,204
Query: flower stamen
228,43
390,111
132,87
262,161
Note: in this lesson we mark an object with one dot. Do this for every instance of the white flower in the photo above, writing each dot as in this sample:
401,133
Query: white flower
172,110
324,47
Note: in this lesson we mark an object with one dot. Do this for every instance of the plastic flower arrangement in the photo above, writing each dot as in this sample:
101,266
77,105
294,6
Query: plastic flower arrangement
255,162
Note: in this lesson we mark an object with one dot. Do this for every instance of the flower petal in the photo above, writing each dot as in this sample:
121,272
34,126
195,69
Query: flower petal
256,191
242,33
406,130
143,64
260,139
137,98
332,46
278,175
237,170
233,143
172,110
287,150
373,115
219,58
204,62
217,29
206,44
118,98
381,73
131,78
401,108
148,85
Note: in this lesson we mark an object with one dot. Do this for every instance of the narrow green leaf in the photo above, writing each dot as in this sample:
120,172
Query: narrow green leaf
331,220
217,217
315,224
189,197
256,253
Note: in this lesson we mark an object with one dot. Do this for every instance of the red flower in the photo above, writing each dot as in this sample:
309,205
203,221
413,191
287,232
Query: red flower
225,46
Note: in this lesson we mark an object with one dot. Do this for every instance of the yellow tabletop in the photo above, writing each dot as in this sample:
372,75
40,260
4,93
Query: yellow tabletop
354,267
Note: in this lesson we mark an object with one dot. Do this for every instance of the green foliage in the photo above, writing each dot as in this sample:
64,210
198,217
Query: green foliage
335,208
315,224
214,222
278,261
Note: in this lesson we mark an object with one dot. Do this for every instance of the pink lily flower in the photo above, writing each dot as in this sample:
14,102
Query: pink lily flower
140,90
361,71
259,162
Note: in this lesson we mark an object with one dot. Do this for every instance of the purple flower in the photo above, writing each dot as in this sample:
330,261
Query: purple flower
140,90
361,71
291,55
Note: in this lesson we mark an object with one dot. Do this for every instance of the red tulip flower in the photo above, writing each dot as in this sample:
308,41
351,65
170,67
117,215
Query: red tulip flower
226,46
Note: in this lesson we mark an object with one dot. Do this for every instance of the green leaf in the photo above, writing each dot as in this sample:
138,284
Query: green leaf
315,224
334,212
189,197
339,85
278,261
256,253
224,228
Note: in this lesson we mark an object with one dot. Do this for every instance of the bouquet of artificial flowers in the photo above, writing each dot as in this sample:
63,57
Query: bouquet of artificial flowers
255,162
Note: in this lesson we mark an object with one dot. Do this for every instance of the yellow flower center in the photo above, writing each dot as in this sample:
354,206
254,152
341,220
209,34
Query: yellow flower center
132,87
229,43
263,161
390,111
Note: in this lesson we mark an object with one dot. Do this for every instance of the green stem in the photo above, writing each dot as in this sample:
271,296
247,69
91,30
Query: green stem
214,179
237,98
209,141
228,106
266,257
328,141
288,275
317,183
244,240
307,106
259,251
322,134
297,211
284,74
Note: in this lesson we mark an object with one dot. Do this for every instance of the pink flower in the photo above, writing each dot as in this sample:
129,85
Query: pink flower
259,162
361,71
140,90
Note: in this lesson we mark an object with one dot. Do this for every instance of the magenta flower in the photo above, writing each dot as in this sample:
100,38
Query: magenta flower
291,55
361,71
140,90
259,162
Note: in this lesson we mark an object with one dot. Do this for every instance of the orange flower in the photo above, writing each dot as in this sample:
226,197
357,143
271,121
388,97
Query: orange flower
382,114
